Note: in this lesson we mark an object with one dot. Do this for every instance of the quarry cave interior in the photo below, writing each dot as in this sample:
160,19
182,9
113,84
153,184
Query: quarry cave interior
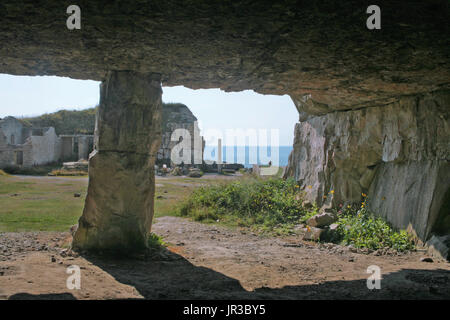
373,105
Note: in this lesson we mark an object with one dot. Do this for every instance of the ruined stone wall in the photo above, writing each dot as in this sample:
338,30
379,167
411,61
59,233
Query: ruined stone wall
398,154
45,148
6,152
85,146
10,126
27,149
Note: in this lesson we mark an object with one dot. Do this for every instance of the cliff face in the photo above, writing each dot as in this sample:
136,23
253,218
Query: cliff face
398,154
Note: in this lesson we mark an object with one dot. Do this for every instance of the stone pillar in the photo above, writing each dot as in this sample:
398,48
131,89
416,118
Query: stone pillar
119,206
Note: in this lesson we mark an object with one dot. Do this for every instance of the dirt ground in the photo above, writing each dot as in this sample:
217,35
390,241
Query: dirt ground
211,262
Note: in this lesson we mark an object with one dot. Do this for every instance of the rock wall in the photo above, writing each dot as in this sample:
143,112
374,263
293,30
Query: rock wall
397,153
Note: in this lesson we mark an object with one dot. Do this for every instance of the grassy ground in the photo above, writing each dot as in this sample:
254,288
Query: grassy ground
40,204
48,203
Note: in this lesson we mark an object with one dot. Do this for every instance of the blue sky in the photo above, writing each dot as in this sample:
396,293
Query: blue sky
215,109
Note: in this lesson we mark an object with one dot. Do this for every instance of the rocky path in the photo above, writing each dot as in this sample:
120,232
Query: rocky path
211,262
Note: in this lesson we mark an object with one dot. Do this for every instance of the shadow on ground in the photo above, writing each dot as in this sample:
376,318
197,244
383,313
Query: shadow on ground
49,296
170,276
166,275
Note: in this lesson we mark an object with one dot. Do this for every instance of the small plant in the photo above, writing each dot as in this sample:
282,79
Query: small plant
3,173
155,242
310,213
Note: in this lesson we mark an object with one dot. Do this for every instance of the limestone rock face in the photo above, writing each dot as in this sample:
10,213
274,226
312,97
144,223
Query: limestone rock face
397,153
119,205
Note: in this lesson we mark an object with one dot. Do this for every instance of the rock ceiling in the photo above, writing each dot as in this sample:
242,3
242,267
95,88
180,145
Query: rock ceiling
317,48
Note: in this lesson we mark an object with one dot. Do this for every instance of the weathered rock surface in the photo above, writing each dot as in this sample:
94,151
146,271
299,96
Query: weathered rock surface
439,247
312,233
321,220
319,52
119,206
398,153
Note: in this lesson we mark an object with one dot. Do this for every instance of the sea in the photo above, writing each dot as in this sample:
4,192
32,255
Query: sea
249,155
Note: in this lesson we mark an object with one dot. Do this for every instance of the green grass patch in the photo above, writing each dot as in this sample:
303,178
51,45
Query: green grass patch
39,204
12,187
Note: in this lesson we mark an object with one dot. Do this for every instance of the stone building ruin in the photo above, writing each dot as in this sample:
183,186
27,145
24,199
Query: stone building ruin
24,145
176,116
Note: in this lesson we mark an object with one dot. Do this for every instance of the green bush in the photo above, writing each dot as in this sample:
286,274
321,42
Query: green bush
266,205
360,228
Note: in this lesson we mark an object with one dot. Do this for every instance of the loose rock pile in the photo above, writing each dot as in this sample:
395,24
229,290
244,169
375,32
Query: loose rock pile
318,224
14,244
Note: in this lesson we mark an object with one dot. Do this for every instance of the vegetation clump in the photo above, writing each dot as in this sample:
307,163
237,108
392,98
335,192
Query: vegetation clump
155,242
67,121
265,205
362,229
41,170
275,206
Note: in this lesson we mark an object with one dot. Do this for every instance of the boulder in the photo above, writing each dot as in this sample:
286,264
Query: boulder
439,247
195,173
312,233
321,220
307,204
